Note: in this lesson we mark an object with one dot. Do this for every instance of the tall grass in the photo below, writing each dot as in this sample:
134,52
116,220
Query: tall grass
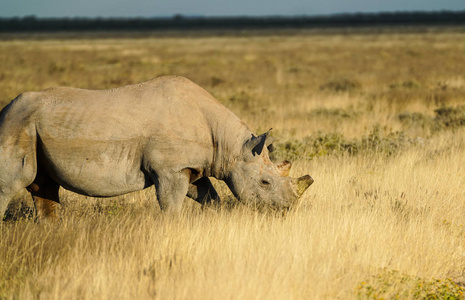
375,119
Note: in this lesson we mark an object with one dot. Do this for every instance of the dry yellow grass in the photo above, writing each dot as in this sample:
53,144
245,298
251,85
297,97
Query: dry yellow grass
386,220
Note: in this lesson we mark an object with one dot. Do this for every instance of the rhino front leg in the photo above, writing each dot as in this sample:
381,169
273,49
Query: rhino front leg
203,192
171,190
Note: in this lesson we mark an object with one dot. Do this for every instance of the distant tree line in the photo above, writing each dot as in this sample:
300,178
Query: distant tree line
179,22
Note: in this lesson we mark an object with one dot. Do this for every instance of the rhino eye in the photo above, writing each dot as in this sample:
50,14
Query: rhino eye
265,182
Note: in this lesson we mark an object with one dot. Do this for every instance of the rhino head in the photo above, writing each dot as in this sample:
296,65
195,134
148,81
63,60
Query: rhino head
255,180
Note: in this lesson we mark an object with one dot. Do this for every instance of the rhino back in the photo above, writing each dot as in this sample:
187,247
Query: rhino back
156,106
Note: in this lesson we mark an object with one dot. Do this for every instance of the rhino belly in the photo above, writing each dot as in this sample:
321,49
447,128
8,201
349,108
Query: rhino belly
93,168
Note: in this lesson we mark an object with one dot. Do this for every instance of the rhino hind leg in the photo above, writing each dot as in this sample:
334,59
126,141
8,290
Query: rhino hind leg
7,192
44,191
203,192
17,171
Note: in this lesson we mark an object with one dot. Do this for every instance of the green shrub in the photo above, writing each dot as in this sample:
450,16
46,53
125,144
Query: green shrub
445,118
341,85
395,285
408,85
321,144
450,117
338,113
415,119
389,144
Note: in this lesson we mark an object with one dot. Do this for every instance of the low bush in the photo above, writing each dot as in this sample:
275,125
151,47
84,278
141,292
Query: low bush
450,117
445,117
341,85
396,285
321,144
338,113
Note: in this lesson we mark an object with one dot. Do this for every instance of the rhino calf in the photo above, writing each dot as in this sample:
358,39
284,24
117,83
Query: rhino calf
167,132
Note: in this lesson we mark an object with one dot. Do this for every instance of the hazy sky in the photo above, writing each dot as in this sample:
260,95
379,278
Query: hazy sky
150,8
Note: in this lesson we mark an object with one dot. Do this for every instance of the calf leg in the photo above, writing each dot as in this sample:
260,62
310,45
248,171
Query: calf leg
203,192
44,191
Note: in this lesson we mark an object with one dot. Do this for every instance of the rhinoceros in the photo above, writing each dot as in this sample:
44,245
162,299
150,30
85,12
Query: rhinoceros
167,132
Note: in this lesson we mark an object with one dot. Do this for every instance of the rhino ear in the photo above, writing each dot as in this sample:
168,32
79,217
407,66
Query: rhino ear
270,148
269,144
256,143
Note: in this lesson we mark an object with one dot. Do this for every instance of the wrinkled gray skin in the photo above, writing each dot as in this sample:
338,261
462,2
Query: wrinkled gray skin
167,131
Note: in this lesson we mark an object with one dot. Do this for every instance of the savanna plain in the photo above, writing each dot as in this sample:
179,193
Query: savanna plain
376,116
